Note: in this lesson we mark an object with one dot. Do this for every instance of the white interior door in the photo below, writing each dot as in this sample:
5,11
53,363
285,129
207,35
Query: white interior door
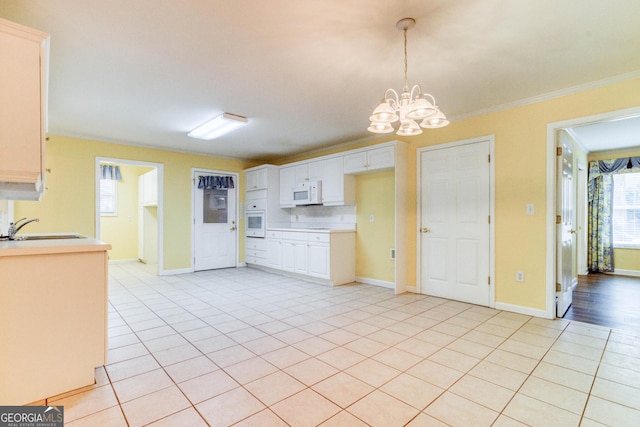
215,227
455,229
565,228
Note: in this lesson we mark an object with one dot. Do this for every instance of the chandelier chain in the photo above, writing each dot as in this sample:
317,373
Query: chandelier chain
406,81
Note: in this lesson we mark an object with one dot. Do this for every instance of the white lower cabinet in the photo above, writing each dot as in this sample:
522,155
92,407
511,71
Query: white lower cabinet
274,253
326,257
255,251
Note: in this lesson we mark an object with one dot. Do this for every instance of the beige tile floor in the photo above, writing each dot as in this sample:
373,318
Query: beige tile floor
248,348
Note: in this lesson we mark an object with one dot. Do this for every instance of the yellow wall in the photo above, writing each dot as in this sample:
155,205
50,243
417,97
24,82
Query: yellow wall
121,231
520,178
375,196
69,201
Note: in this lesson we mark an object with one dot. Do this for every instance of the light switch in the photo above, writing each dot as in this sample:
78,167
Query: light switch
371,218
531,210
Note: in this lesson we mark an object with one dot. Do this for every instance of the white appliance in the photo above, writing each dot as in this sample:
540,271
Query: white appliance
307,193
255,218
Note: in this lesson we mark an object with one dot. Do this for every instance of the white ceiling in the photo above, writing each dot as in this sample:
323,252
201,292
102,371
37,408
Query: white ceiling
609,135
308,74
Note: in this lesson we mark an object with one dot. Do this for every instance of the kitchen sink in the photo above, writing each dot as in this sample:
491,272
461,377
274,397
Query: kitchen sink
49,236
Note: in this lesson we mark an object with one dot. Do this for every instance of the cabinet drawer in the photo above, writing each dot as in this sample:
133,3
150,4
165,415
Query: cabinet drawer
294,235
259,244
253,253
319,237
274,234
255,260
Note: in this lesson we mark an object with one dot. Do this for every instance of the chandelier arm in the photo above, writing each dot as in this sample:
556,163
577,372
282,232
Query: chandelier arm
419,91
433,100
395,99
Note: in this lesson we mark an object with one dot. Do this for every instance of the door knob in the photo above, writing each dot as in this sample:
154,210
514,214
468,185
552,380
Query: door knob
426,230
572,231
233,228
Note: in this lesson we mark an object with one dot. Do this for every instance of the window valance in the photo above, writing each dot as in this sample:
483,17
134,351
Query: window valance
621,165
111,172
214,182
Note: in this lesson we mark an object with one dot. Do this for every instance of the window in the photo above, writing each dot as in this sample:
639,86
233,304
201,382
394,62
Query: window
108,197
626,210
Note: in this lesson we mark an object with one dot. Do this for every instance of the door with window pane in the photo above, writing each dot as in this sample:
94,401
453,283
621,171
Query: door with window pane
215,230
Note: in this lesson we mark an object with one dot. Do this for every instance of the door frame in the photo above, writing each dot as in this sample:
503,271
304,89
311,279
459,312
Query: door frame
160,168
491,140
551,234
236,179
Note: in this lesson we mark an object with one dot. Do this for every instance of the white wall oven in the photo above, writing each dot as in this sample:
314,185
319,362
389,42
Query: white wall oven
255,223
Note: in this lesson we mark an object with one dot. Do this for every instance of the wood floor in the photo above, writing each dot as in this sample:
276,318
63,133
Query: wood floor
607,300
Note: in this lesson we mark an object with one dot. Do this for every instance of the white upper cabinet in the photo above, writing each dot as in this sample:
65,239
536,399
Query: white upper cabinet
309,171
337,189
287,181
370,160
23,109
149,188
256,179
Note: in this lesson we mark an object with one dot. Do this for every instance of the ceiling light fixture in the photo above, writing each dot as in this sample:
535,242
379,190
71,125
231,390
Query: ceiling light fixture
409,106
218,126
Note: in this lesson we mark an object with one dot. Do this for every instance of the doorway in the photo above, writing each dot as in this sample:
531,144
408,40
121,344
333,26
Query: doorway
215,220
455,244
135,219
555,196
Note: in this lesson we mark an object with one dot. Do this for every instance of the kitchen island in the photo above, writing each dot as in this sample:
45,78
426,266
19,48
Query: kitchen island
53,316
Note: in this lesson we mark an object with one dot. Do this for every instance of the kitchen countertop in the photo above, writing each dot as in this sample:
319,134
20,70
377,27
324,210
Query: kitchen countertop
312,229
49,246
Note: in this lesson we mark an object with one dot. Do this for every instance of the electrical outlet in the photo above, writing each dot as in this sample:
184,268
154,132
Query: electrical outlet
519,276
372,218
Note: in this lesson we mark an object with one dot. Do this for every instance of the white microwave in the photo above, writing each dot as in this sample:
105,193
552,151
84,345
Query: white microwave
307,193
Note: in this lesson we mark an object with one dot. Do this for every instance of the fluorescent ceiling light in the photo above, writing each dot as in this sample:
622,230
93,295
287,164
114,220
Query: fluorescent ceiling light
218,126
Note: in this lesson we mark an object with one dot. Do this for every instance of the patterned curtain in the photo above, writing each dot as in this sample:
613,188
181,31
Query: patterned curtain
215,182
600,251
111,172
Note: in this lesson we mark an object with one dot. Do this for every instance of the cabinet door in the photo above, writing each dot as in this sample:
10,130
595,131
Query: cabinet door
381,158
274,254
287,181
252,180
22,89
300,253
288,255
256,179
150,188
332,181
354,163
319,260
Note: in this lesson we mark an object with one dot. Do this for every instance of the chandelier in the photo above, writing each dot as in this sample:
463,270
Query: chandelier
410,107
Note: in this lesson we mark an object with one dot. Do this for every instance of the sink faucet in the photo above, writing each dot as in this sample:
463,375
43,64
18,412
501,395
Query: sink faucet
14,227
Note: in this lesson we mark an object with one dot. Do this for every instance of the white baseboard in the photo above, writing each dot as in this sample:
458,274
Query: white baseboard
123,261
622,272
175,271
521,310
412,289
375,282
